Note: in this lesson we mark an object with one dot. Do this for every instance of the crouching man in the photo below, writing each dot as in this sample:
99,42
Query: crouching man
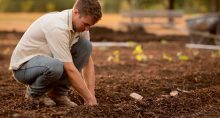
55,54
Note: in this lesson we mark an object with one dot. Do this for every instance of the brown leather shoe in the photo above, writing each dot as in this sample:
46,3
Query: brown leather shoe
41,99
63,101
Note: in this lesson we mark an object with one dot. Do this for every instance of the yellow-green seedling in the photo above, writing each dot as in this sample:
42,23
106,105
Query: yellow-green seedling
167,57
139,55
138,50
178,54
195,53
115,57
218,53
215,54
182,57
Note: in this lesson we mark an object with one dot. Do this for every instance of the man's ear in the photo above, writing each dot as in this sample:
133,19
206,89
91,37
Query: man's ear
75,11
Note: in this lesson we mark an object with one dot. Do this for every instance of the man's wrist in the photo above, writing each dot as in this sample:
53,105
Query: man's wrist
92,90
91,101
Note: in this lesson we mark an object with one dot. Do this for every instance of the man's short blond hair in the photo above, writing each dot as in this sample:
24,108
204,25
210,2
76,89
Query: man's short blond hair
89,7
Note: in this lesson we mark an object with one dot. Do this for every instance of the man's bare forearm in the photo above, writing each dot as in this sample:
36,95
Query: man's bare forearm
79,84
89,75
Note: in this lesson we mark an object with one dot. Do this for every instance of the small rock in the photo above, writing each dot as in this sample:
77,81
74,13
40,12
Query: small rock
16,115
136,96
174,93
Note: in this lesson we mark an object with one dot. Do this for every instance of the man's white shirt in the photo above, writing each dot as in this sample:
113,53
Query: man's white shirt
50,35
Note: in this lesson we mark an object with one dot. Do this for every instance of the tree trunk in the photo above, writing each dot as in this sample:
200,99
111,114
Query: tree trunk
214,6
217,5
171,4
171,8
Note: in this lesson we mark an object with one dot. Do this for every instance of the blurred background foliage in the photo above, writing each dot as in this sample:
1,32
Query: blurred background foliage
109,6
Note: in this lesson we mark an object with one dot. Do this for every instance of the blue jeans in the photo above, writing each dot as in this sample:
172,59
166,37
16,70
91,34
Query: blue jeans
44,73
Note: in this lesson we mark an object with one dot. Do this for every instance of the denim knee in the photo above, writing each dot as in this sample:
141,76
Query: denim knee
86,45
81,52
55,69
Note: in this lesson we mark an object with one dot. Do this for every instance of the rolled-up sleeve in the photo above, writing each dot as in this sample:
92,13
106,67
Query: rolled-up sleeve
85,35
58,42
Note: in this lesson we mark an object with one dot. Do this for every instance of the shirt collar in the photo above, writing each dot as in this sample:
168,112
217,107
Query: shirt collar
70,23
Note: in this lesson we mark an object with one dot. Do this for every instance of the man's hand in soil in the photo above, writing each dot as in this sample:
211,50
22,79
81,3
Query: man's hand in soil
79,84
88,73
91,102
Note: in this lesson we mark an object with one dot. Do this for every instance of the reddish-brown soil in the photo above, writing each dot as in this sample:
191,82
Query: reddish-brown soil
154,79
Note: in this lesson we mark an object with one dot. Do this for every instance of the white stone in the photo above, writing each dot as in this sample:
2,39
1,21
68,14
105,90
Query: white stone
174,93
136,96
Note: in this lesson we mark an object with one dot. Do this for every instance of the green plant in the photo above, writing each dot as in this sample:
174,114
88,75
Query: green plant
167,57
139,55
115,57
182,57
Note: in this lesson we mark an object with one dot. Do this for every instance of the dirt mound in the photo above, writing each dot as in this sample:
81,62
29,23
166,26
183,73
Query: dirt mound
138,35
106,34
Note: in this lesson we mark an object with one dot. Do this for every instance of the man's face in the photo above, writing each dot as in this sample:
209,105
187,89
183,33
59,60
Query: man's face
81,22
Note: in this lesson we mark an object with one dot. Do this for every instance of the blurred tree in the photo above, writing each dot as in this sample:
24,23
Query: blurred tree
9,5
3,5
150,4
63,4
110,5
27,5
35,5
194,6
171,4
50,6
214,5
125,6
